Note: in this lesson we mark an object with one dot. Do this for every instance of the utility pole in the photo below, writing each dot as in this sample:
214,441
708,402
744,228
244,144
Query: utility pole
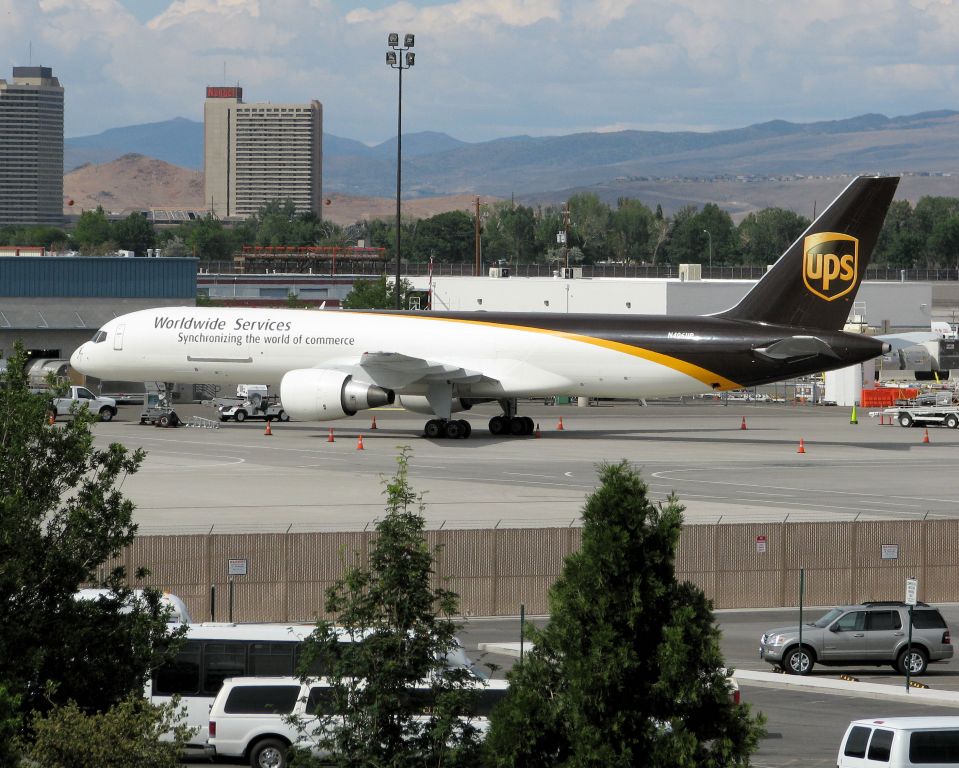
566,233
479,241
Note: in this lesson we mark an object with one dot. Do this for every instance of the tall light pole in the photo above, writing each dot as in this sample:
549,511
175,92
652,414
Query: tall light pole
399,58
710,251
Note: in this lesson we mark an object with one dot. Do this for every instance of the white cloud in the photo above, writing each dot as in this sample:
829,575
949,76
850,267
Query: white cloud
489,68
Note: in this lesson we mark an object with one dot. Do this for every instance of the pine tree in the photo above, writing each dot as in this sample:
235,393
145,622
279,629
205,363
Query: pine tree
402,634
628,671
62,516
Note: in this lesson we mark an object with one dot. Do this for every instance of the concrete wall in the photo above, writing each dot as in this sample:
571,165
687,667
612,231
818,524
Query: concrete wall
494,571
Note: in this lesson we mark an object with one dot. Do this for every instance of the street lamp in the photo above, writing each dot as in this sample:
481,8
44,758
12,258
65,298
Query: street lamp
710,251
400,58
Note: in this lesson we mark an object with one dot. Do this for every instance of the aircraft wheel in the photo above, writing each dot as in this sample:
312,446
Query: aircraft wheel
454,429
498,425
517,426
530,426
467,428
434,429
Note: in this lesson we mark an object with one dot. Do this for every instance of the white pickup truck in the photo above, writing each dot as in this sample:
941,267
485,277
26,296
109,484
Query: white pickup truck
104,407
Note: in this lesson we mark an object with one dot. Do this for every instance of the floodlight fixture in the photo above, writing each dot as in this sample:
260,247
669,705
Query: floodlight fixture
391,58
410,58
408,41
393,40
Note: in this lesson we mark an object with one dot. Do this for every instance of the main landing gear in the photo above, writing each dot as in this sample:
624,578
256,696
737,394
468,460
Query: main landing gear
451,428
506,425
509,423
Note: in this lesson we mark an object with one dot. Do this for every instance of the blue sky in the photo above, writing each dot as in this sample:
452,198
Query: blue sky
492,68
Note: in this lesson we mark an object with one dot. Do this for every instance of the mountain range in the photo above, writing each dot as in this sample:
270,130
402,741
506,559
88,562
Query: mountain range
776,163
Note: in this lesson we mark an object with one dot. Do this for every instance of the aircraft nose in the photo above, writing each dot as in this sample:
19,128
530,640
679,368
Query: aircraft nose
76,359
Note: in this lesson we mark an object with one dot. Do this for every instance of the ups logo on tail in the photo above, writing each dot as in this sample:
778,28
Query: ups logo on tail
830,264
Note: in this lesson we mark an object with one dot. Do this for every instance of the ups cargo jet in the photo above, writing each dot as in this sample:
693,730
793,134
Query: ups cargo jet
331,364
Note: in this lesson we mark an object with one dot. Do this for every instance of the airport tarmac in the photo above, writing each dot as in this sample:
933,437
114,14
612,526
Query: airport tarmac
236,479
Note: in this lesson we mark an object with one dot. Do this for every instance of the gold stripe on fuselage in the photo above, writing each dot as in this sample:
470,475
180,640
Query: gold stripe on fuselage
703,375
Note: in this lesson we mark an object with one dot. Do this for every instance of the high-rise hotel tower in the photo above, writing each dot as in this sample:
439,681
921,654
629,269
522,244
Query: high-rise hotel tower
256,153
31,147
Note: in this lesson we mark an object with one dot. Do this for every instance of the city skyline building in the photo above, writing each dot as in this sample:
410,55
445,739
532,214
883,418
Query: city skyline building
259,152
31,147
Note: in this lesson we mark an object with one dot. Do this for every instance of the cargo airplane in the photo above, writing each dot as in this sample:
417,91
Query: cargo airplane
332,364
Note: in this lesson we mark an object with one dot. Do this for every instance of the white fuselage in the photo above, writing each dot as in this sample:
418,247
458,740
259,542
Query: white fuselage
256,345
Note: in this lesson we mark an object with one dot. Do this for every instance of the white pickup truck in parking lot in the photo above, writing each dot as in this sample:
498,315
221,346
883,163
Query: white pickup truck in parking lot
103,407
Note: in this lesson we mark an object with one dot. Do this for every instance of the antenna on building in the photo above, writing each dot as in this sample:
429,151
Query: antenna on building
30,53
224,71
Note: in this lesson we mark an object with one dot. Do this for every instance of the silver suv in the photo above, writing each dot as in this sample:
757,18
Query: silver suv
869,634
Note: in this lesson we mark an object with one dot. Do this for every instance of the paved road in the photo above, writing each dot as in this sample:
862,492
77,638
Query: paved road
236,479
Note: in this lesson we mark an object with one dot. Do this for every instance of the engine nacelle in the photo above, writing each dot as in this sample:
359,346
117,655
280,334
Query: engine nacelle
314,394
419,404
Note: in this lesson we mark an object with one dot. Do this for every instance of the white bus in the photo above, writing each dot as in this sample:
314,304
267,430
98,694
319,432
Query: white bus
215,651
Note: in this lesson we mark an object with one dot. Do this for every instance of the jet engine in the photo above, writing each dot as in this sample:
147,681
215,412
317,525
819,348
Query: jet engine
313,394
419,404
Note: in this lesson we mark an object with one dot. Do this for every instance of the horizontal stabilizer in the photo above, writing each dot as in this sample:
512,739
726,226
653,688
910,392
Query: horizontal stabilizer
897,341
796,346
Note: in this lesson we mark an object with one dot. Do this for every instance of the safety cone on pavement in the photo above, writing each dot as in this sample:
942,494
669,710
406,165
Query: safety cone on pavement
925,435
268,431
560,426
802,446
359,443
536,433
852,418
373,425
330,438
743,425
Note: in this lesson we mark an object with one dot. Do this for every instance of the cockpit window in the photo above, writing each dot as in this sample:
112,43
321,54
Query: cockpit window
100,336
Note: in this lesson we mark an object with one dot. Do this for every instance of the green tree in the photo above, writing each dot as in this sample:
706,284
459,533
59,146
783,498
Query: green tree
589,221
377,294
509,234
209,240
407,633
135,233
93,229
631,228
628,671
449,237
127,734
62,517
765,234
9,726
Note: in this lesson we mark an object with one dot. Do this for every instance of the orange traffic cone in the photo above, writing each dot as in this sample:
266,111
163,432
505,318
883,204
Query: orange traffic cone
536,433
743,425
560,426
330,438
359,443
802,446
373,425
268,430
925,435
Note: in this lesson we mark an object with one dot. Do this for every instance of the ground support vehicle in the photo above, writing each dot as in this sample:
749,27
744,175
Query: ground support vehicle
870,634
924,416
269,409
158,411
103,407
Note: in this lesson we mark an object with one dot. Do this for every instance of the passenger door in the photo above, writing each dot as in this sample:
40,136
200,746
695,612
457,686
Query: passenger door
884,633
845,639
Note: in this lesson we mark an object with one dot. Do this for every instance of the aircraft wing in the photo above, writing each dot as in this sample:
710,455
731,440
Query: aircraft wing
796,346
393,370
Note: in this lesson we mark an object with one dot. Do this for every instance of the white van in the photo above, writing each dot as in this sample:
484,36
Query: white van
898,742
